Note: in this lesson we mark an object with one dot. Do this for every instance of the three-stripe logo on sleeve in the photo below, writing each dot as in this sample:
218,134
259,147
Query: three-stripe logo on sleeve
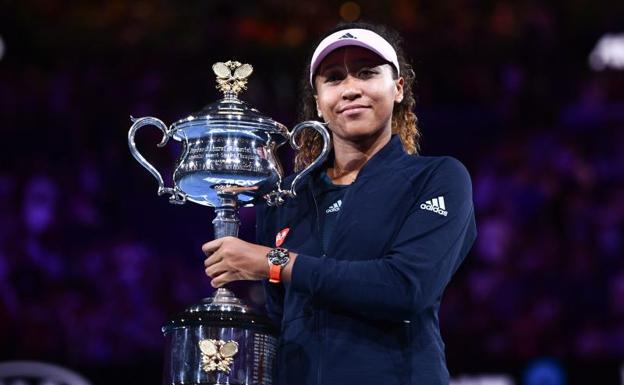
436,205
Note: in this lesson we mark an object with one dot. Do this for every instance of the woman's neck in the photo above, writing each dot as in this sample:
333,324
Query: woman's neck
350,157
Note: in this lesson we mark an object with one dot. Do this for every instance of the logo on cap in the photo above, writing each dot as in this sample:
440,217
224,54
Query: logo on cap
347,36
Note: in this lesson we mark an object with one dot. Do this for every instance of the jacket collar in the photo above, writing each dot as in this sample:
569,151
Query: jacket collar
384,158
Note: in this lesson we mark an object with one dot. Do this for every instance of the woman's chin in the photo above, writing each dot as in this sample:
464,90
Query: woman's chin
358,134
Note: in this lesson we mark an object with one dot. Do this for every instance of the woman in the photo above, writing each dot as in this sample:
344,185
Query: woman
357,263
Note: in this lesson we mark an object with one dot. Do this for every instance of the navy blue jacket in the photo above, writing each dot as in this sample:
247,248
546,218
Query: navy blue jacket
365,311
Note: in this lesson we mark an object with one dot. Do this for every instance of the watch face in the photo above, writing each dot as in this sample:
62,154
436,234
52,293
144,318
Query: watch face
279,256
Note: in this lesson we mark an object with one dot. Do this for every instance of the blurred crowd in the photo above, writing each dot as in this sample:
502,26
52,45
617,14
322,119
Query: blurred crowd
92,262
546,275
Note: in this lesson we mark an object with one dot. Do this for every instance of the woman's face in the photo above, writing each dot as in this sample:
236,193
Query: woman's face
356,92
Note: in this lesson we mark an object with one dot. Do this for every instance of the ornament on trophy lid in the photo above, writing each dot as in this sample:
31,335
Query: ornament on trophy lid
232,77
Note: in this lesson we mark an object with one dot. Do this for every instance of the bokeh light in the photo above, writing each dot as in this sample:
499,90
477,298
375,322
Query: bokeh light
350,11
2,47
608,53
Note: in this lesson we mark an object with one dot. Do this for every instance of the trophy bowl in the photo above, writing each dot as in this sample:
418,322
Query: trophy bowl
228,149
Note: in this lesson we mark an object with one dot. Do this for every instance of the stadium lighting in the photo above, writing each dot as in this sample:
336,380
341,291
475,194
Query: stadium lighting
608,53
2,47
485,379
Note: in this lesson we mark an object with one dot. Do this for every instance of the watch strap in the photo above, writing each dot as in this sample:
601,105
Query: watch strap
275,273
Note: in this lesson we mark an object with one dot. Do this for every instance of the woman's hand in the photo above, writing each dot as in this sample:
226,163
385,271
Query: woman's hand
232,259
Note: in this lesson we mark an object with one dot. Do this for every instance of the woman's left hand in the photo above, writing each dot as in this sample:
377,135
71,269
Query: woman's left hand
232,259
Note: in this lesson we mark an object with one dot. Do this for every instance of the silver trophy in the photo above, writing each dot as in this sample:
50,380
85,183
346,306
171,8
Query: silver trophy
228,161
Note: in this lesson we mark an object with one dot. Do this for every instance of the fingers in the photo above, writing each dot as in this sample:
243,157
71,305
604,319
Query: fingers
223,279
211,250
216,269
225,244
212,259
210,247
230,259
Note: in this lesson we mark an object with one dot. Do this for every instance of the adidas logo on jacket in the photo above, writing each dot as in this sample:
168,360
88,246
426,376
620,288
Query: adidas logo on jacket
335,207
436,205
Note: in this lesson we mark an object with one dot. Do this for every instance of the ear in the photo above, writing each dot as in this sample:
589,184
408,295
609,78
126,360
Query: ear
318,109
398,97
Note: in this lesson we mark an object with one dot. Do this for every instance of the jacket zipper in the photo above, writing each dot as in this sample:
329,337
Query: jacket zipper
345,197
318,221
317,315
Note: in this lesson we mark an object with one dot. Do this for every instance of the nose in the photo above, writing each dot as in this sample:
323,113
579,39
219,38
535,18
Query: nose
351,89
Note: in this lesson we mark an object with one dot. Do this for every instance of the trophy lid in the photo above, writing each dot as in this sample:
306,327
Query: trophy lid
230,111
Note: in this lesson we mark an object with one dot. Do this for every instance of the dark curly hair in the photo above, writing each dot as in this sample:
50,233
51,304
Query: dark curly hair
404,121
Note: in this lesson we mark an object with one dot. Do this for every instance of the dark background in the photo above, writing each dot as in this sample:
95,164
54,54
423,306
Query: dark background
92,262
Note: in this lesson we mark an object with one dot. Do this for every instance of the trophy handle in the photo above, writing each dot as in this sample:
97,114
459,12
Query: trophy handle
321,129
176,196
277,197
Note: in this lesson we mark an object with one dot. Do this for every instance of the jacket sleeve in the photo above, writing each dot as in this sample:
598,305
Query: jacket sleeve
411,277
274,294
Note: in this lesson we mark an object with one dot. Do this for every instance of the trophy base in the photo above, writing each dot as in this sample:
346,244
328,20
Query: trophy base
218,324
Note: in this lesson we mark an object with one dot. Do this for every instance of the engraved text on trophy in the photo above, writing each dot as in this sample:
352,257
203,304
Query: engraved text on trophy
230,160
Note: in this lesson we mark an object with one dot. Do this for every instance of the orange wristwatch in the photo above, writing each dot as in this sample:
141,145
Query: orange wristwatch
278,258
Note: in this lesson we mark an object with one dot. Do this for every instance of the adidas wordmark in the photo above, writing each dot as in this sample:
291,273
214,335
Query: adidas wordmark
436,205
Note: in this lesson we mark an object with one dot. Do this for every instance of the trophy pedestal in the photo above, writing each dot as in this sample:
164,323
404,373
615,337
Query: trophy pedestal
219,341
226,223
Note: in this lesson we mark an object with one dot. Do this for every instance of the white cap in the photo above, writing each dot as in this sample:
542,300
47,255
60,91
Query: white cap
353,37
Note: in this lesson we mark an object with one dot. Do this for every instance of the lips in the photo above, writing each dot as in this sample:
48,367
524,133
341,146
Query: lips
352,108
